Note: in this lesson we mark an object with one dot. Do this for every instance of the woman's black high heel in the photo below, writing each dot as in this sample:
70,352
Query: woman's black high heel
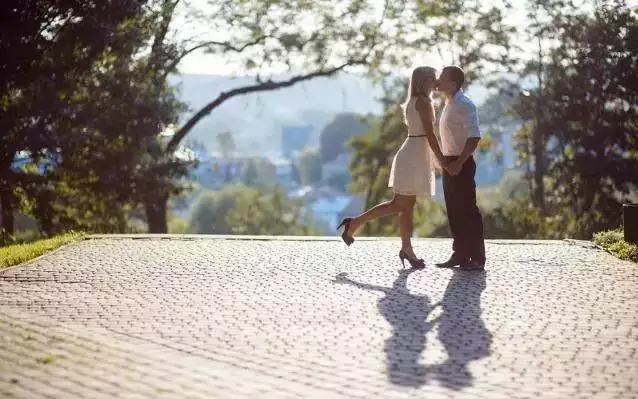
414,262
344,236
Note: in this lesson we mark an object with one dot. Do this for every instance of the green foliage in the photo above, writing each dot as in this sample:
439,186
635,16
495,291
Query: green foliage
614,242
267,213
95,119
250,174
309,167
589,119
177,226
248,210
86,84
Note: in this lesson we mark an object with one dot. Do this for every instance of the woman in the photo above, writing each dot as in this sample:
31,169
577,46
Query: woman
412,172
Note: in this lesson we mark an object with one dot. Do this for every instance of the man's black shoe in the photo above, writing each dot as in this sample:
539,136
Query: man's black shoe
473,265
453,261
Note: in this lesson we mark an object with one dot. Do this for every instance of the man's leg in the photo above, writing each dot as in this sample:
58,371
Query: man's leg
451,195
471,213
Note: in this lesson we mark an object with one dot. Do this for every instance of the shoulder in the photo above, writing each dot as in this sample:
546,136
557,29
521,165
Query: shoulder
465,102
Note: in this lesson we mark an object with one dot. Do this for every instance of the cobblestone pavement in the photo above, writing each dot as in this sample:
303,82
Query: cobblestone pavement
274,318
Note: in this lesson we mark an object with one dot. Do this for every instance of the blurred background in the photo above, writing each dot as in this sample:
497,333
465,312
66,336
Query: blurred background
280,117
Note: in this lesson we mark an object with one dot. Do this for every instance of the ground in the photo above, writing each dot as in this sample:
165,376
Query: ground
203,317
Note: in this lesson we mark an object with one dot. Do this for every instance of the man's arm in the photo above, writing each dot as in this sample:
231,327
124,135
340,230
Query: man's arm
471,123
470,147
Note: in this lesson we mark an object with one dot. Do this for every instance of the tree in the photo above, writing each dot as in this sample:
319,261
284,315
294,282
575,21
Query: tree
587,121
62,41
266,36
547,18
96,118
309,167
268,213
250,174
592,119
333,138
248,210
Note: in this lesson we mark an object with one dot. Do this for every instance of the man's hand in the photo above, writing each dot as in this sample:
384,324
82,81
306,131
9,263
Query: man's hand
454,168
440,164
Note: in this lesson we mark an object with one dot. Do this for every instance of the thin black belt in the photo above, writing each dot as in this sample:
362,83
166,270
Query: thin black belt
455,157
420,135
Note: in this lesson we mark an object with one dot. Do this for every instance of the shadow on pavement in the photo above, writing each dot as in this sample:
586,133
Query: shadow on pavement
461,330
407,313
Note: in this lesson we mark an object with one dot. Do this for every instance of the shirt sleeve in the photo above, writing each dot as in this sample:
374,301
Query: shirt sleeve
470,119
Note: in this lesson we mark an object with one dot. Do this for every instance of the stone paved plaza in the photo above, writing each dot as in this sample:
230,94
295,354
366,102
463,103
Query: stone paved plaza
222,317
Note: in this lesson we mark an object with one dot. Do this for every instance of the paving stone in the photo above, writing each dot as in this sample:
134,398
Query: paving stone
280,317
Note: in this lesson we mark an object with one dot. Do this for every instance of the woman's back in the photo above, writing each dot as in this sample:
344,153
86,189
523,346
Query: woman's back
412,117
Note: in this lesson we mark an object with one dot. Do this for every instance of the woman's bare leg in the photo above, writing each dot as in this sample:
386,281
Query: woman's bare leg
378,211
406,225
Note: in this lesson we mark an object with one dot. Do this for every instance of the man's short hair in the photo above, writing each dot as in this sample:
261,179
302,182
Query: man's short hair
456,74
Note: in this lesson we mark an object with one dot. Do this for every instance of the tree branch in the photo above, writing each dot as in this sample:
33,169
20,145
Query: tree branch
227,46
263,86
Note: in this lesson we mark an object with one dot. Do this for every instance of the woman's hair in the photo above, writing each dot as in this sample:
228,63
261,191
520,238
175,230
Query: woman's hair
417,73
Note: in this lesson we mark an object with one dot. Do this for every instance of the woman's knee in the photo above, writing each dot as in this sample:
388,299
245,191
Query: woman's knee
404,203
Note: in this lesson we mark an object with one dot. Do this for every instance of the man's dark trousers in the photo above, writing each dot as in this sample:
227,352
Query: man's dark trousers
466,222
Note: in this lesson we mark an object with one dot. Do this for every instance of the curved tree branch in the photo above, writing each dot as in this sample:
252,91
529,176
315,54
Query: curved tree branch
263,86
226,45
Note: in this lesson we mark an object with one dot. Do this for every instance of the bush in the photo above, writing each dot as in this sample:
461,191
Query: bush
614,242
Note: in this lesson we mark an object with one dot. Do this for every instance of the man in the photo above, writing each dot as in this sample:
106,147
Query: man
459,131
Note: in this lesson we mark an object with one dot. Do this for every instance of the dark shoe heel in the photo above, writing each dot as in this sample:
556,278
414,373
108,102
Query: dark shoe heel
414,262
345,223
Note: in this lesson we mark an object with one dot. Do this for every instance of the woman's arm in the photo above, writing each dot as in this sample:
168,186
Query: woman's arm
425,113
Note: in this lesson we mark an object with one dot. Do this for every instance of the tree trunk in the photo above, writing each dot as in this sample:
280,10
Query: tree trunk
7,230
538,137
539,169
156,210
45,213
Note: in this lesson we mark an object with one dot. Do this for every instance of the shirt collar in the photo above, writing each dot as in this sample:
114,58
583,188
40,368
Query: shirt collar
456,97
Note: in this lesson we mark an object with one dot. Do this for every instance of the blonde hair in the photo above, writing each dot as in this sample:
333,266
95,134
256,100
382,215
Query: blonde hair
411,92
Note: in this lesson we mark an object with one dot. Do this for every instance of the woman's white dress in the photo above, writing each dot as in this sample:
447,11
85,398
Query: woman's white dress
412,170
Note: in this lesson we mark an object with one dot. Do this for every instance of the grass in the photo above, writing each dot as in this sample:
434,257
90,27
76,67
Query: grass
614,242
17,253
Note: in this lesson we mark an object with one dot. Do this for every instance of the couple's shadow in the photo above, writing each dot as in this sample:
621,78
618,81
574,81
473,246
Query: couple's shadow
460,329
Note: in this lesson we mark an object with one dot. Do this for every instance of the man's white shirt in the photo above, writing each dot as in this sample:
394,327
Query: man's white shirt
458,122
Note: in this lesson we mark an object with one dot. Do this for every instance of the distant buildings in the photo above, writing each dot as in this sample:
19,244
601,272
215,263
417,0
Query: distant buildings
339,166
294,139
